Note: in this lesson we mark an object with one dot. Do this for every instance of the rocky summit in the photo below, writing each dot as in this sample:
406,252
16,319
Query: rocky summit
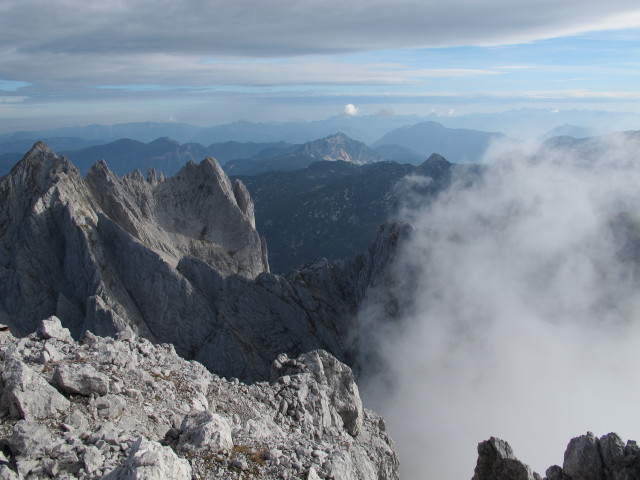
124,408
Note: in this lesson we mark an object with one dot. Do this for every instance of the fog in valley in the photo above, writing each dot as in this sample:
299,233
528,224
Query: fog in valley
523,317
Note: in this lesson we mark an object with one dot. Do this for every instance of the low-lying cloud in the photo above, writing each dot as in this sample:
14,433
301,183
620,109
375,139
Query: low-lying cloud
524,322
350,110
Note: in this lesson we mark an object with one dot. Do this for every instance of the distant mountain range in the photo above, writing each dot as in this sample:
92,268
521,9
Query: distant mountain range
574,131
409,144
523,123
458,145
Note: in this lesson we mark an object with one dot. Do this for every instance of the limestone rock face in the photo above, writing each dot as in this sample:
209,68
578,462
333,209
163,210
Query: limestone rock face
52,328
80,379
582,459
27,395
496,461
200,430
175,260
587,457
150,461
333,384
163,417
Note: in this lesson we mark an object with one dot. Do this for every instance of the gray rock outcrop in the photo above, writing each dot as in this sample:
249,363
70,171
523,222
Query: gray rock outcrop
26,395
496,461
587,457
163,417
150,461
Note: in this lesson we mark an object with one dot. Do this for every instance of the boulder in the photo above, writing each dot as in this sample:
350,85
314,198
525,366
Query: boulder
29,439
151,461
52,328
80,379
26,395
204,429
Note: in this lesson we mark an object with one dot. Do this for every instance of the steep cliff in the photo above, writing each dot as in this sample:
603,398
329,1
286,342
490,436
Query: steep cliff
176,259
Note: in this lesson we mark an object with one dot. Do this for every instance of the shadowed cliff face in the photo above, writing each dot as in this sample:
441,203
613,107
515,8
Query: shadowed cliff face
177,259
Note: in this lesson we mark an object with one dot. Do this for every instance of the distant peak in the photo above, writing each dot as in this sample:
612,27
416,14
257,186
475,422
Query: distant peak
435,157
339,135
164,141
38,149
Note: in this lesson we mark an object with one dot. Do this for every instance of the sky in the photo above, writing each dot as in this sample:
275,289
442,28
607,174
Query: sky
207,62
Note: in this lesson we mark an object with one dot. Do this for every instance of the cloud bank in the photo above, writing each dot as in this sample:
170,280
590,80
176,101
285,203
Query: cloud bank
223,27
525,317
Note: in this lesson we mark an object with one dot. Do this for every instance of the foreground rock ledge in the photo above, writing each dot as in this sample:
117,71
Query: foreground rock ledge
587,458
128,409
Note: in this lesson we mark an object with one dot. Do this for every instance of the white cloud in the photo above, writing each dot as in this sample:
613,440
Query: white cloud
350,110
526,316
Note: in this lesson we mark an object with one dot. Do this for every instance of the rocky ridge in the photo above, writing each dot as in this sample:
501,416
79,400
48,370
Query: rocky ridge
177,260
587,457
124,408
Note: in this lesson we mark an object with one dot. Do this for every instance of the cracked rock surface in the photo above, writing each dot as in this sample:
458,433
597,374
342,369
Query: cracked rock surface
138,411
587,457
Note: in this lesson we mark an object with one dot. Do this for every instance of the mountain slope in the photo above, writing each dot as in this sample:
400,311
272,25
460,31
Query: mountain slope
226,151
125,155
336,147
333,209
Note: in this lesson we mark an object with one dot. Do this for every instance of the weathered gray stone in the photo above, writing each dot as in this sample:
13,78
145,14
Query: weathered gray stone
151,461
92,459
29,439
582,459
7,474
496,461
52,328
27,395
332,383
50,354
81,379
204,430
313,474
109,406
555,473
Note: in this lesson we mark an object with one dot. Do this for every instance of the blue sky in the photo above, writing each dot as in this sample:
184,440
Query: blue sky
71,62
